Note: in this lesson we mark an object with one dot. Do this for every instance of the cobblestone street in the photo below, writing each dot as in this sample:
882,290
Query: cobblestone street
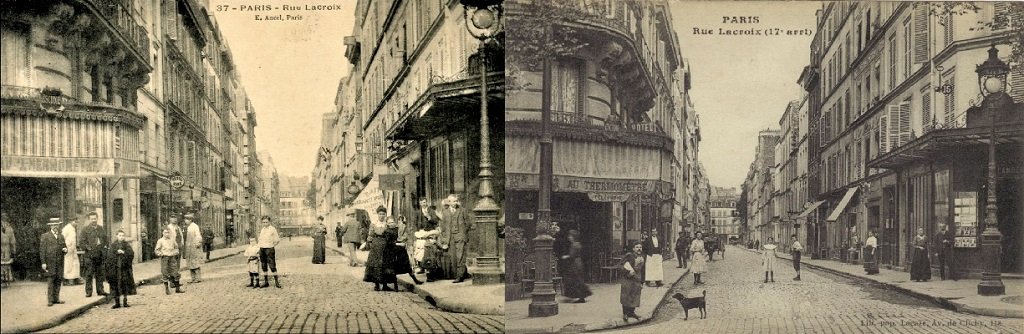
738,302
327,298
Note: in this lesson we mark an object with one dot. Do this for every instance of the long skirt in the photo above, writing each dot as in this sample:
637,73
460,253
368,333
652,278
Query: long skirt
920,268
318,249
629,294
399,260
698,263
654,270
378,264
870,260
572,280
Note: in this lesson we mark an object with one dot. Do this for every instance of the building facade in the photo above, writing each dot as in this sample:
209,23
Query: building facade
893,78
118,99
725,220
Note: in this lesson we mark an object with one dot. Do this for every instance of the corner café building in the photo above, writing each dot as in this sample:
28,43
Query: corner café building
941,178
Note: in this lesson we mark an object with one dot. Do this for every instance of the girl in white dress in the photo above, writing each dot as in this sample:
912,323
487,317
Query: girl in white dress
698,258
768,260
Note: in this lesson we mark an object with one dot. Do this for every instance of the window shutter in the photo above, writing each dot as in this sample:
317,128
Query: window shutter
903,130
1016,85
1001,16
921,34
883,134
950,106
927,122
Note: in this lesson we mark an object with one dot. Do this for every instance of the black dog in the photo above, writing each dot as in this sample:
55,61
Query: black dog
688,303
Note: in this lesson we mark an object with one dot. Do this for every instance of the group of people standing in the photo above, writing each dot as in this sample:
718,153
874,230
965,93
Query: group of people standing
432,243
63,250
176,244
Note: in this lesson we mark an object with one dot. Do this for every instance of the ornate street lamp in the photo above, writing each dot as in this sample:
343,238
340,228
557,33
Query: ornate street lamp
483,21
992,82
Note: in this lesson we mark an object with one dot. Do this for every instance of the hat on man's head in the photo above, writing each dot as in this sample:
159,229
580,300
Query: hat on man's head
175,215
54,221
189,215
381,209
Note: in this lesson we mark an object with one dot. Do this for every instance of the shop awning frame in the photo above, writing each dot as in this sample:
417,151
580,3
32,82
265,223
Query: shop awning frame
809,209
834,216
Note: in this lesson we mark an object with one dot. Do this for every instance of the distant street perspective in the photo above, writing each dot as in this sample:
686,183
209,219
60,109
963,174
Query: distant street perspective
329,298
738,301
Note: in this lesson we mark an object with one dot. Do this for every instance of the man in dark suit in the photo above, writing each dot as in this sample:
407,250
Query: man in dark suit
93,239
454,229
51,252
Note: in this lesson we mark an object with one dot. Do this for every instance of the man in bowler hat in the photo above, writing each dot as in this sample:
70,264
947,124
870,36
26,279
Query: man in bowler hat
51,252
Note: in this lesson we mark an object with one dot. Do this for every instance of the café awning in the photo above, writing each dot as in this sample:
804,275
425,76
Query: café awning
842,204
809,209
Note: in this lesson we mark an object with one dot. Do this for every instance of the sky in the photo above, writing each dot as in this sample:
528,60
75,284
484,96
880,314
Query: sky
290,70
741,84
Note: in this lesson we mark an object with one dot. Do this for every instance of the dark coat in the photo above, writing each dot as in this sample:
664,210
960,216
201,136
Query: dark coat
119,271
51,253
93,240
650,249
682,245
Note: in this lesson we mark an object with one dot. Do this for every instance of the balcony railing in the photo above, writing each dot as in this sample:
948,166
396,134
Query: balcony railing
586,121
117,13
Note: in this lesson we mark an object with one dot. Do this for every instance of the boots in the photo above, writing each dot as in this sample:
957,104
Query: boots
415,280
167,288
266,281
251,282
117,302
199,275
773,276
699,280
177,286
277,283
192,275
125,302
255,280
766,277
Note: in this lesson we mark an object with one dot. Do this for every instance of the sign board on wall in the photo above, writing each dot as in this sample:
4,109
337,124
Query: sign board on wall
965,219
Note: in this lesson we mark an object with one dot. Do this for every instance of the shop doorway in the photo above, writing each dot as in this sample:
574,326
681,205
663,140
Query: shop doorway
29,203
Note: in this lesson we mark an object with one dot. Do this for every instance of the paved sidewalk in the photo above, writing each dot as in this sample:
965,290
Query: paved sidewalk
961,295
24,302
601,311
461,298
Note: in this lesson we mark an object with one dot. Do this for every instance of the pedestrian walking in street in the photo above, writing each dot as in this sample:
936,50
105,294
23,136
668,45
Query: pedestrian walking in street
379,269
559,248
319,241
119,270
943,248
698,259
207,240
72,265
654,271
168,251
920,268
797,249
93,240
51,253
572,277
454,235
768,260
269,238
682,246
351,239
194,249
871,254
397,251
8,246
632,283
338,234
252,253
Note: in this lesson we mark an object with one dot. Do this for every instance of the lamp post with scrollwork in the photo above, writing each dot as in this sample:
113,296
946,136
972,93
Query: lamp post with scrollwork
992,82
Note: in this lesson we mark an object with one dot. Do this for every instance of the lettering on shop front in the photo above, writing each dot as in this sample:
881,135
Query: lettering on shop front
56,167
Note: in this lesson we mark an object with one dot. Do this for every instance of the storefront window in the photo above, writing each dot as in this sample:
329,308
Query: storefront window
942,198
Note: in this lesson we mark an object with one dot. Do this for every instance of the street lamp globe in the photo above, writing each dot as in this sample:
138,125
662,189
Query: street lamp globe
992,73
352,188
483,19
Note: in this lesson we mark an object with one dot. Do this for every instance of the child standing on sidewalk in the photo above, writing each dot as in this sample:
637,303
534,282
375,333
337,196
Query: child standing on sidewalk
253,253
167,250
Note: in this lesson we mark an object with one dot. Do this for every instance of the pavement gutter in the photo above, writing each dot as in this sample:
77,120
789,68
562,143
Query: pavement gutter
618,323
100,301
942,302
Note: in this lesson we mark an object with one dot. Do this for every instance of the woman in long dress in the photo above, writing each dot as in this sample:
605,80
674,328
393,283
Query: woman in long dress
72,264
572,276
319,240
119,272
379,269
870,254
698,258
768,260
632,282
920,268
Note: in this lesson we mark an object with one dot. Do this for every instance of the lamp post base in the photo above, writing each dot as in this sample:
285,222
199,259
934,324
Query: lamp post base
991,285
543,304
487,270
991,246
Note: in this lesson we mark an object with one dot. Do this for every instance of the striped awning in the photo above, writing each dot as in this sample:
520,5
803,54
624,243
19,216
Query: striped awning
834,216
